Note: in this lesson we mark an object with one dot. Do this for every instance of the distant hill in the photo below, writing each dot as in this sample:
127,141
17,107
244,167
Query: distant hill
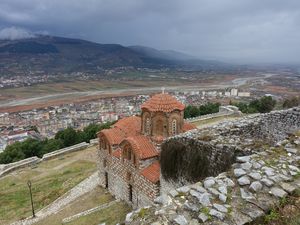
162,54
58,54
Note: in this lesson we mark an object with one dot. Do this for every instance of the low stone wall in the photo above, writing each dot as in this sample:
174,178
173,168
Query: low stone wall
63,151
7,168
197,154
186,160
89,211
223,111
272,126
94,141
246,192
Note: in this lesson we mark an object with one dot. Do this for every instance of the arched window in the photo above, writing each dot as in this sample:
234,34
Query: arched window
174,127
129,154
147,125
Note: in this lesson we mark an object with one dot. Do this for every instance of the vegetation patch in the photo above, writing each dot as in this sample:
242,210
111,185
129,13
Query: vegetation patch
110,216
262,105
48,183
64,138
286,213
194,111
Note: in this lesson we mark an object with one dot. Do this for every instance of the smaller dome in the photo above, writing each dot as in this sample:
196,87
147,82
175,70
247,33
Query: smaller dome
162,103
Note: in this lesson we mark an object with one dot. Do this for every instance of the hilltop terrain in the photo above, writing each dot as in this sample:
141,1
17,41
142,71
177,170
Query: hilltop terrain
49,54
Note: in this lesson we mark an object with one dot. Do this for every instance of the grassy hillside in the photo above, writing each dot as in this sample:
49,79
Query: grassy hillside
50,180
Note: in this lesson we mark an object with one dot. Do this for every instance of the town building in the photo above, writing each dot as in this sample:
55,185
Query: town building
227,93
244,94
129,151
234,92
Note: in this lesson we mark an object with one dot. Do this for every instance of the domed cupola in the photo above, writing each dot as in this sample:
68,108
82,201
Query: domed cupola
162,116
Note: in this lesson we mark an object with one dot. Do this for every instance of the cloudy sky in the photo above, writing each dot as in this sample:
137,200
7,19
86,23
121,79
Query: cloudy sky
229,30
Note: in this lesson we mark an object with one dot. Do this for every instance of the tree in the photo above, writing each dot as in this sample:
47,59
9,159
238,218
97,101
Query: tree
194,112
187,113
20,150
68,137
266,104
50,145
90,132
262,105
292,102
64,138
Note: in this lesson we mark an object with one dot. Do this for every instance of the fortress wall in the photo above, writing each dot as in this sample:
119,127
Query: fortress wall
223,111
186,158
7,168
257,181
273,126
63,151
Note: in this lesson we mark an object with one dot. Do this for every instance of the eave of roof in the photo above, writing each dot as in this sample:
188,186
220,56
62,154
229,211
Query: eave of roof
152,172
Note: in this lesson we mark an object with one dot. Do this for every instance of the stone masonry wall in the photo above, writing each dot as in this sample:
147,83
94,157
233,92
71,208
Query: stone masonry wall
266,154
7,168
254,185
273,126
186,160
194,155
121,174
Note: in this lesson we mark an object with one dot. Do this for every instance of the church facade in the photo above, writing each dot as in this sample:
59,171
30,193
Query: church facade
128,163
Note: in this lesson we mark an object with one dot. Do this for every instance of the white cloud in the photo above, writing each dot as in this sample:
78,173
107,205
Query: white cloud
15,33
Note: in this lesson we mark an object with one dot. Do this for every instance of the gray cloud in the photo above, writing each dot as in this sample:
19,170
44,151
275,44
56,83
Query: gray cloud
230,30
15,33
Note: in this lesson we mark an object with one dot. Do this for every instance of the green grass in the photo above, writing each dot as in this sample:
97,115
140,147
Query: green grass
92,199
46,187
212,121
286,213
110,216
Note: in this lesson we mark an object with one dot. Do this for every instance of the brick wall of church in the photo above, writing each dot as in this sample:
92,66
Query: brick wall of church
122,174
161,123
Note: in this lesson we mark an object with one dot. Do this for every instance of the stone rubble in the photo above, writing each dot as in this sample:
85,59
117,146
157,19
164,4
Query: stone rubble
249,189
215,199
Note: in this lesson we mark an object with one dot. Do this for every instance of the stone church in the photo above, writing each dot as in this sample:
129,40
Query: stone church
129,151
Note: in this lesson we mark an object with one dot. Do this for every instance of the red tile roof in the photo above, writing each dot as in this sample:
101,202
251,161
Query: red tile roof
152,172
142,146
162,102
114,135
129,126
188,126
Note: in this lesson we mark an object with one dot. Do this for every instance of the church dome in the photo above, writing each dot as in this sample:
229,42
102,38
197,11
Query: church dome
162,103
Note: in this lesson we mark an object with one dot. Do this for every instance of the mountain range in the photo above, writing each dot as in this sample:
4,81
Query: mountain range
65,55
